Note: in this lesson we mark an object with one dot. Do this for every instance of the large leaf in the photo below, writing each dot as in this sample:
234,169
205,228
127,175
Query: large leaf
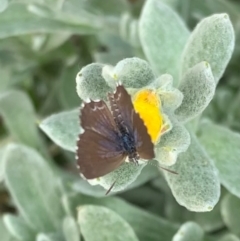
147,226
163,36
229,237
101,224
223,146
196,186
210,221
17,20
19,116
33,187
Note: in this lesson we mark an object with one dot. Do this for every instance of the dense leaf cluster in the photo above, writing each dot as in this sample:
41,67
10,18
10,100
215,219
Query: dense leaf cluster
55,54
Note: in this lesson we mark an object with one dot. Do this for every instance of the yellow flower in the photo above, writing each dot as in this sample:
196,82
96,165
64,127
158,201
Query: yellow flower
148,104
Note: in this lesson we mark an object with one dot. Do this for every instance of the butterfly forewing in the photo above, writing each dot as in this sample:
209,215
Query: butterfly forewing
121,104
95,115
98,149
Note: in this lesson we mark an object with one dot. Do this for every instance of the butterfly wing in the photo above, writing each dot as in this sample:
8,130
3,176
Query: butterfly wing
123,110
121,106
144,145
98,151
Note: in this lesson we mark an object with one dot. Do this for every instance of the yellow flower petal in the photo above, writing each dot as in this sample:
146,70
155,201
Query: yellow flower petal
147,103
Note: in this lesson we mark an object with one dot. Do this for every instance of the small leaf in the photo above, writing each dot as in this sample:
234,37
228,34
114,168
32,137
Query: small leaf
171,98
163,36
128,30
50,237
91,84
104,8
223,146
18,228
16,103
131,72
67,88
32,185
212,41
196,186
5,76
101,224
50,42
63,128
2,153
3,5
189,231
230,209
171,144
198,87
5,235
70,229
114,49
70,202
82,186
123,176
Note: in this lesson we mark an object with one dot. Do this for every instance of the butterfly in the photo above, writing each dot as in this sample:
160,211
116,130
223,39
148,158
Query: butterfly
111,136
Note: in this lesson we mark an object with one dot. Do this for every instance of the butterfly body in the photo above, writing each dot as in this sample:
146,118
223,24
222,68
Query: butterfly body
128,144
111,136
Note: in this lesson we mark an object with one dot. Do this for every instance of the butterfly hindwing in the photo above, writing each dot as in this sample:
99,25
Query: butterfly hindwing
98,149
97,158
96,115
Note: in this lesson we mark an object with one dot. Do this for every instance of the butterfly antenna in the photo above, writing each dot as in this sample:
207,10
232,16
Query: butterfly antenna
109,190
165,169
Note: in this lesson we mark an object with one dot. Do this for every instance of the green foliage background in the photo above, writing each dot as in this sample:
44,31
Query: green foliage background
43,45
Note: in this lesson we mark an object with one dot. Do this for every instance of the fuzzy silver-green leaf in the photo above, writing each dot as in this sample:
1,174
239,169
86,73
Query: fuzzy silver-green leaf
213,41
100,224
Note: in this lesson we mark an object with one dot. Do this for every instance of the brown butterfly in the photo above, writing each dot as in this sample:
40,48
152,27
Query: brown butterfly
110,137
